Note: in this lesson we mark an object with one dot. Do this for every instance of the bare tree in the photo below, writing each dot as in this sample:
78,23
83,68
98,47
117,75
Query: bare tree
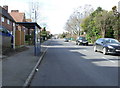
34,10
73,24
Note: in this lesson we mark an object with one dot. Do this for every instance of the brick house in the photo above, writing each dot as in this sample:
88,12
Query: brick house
6,19
28,32
20,30
6,23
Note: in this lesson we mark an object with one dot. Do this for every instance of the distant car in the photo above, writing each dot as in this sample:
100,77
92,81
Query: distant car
66,40
81,41
107,45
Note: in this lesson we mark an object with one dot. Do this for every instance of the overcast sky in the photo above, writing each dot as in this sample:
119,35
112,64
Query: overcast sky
56,12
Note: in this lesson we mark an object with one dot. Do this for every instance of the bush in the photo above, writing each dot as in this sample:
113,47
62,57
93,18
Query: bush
27,37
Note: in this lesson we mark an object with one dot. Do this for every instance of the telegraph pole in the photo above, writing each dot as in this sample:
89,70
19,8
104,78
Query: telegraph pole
119,6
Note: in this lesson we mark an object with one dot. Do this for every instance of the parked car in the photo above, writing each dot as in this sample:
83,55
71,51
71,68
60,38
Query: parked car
6,37
81,41
66,40
107,45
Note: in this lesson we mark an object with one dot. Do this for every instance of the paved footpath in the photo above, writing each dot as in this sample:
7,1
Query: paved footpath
17,68
0,73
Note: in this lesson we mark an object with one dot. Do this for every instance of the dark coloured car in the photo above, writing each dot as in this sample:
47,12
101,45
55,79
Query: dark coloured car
107,45
81,41
66,40
7,38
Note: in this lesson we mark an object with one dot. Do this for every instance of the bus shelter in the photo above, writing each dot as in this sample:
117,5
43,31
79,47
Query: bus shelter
36,28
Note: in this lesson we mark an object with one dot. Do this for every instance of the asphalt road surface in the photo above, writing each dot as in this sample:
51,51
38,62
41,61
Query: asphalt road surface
67,64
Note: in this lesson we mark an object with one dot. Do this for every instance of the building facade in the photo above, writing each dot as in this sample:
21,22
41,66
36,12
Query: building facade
5,19
20,30
7,24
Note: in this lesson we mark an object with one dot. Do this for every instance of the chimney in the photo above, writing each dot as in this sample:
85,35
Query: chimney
5,7
14,10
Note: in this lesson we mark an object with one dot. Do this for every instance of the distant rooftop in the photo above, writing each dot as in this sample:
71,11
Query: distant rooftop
18,16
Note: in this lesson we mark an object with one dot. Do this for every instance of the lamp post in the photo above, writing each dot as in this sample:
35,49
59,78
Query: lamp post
35,15
119,6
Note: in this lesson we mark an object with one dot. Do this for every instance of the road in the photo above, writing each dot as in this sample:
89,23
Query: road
67,64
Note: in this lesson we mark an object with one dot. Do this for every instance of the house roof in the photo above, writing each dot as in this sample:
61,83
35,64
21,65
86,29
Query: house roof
6,14
18,16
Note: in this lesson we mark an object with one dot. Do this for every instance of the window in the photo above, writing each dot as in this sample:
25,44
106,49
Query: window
114,41
8,21
107,40
99,41
2,19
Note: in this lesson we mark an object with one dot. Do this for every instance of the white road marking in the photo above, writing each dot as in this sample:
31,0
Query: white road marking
109,60
85,50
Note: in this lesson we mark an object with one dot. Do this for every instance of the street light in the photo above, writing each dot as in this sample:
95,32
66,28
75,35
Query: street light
35,15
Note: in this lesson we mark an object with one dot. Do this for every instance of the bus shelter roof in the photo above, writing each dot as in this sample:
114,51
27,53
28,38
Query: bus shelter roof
29,25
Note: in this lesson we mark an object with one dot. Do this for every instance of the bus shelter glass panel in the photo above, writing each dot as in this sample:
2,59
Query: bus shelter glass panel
37,41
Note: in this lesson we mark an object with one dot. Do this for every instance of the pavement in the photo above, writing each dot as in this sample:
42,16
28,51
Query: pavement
17,70
0,73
